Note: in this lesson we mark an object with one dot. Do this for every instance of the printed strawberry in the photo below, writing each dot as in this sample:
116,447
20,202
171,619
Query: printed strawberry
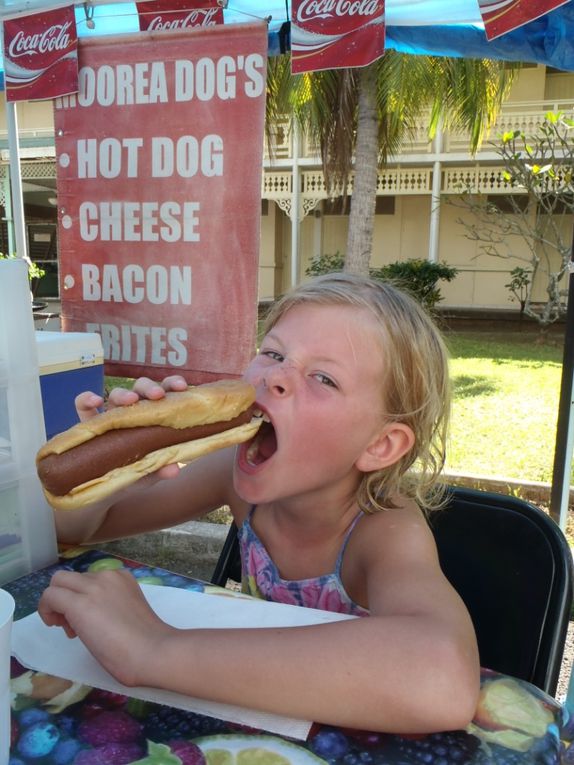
110,754
115,727
16,669
107,699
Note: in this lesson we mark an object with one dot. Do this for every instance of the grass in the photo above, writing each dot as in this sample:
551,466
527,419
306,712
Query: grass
506,392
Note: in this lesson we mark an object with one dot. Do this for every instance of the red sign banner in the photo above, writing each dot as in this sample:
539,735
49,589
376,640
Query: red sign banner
41,55
502,16
159,160
332,34
157,15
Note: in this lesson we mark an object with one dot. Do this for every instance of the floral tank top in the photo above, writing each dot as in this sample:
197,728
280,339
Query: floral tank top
260,578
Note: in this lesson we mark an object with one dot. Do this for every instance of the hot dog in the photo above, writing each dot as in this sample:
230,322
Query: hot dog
96,458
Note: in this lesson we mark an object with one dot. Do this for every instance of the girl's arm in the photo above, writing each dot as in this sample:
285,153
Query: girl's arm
153,503
411,666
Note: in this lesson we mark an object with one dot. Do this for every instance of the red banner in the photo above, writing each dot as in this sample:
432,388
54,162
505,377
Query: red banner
157,15
331,34
159,195
502,16
41,55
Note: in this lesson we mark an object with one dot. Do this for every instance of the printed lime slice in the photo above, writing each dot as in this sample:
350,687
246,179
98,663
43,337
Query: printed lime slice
236,749
105,564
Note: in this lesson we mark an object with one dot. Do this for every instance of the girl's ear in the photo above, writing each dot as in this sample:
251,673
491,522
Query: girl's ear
392,443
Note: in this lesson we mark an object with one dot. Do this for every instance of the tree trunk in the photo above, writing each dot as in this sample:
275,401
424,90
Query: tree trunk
362,215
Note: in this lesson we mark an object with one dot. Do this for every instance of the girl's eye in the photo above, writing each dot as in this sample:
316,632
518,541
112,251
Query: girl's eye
275,355
324,380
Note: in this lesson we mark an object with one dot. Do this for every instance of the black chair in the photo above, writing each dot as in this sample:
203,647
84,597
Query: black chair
512,567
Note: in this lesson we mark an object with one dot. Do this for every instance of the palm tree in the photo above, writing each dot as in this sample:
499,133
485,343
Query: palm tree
365,113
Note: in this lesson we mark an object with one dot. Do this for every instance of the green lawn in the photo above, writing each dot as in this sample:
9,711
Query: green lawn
505,407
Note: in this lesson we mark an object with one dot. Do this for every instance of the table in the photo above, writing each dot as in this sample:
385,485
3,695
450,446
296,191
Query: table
55,722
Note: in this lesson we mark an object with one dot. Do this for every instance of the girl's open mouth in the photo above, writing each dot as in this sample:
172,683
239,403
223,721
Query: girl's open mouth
264,443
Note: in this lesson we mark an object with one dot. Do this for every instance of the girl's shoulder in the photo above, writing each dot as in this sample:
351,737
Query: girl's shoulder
400,528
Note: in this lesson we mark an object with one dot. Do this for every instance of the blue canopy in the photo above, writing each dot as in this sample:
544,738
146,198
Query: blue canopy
431,27
435,27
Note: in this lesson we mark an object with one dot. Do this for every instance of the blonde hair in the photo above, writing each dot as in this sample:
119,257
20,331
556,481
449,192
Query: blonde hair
415,387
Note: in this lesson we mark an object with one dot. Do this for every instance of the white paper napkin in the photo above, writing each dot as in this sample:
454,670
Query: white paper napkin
47,649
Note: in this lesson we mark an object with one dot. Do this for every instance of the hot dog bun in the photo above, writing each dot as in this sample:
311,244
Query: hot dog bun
202,405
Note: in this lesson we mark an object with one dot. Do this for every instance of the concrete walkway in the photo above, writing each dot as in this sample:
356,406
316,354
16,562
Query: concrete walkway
191,549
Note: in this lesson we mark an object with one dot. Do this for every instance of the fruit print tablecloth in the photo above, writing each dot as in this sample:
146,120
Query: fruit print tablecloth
56,722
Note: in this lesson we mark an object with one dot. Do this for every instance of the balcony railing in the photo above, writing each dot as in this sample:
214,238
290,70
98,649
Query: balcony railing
525,116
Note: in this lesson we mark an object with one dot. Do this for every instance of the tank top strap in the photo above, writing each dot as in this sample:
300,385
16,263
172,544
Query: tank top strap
345,543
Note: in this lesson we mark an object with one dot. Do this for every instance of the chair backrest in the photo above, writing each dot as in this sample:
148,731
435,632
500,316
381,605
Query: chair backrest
228,565
511,565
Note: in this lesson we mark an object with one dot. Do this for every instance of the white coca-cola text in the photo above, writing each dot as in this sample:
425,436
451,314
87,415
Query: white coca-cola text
54,38
309,9
197,18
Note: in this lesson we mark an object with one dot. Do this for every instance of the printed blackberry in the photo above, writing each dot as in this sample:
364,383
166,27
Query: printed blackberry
494,754
163,723
27,590
360,758
437,749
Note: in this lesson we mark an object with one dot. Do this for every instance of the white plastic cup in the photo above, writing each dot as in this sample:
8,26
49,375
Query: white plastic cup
6,617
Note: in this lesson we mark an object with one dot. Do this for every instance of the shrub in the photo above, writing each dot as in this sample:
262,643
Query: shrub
418,277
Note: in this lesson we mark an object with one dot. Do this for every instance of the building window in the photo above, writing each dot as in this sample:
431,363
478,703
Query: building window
342,206
337,206
43,250
385,206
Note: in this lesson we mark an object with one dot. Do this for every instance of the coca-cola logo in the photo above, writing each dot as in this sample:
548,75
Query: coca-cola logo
308,10
201,17
54,38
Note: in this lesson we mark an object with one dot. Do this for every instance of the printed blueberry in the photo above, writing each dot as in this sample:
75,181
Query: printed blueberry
67,724
330,744
33,715
65,751
38,740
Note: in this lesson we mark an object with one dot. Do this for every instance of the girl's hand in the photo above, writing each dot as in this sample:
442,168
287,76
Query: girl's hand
110,615
88,403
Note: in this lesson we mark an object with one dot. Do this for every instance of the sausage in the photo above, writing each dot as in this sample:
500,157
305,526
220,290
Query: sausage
93,459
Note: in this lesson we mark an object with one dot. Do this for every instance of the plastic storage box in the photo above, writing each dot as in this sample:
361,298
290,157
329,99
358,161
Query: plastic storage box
69,362
27,533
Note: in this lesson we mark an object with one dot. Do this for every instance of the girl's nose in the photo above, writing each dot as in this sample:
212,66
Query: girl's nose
279,379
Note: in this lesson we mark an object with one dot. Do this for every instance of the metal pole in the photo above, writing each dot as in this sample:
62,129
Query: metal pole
295,204
560,492
8,215
16,181
435,200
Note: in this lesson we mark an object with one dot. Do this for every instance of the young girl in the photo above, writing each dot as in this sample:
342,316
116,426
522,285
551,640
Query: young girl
353,378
